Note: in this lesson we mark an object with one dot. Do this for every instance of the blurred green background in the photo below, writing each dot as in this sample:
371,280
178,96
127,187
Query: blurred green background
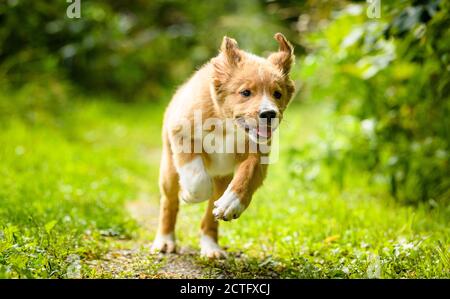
81,96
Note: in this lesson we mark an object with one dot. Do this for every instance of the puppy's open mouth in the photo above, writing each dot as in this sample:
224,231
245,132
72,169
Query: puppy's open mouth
258,132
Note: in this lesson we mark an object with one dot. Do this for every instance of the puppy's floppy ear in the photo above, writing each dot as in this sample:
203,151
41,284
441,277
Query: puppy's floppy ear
284,58
229,58
230,50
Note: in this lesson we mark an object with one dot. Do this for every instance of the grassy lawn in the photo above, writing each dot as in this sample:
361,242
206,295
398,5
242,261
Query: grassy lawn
69,178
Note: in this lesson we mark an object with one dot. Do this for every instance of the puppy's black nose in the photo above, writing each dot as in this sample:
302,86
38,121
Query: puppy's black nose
268,115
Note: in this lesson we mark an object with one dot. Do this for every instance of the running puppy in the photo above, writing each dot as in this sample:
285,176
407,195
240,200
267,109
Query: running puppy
235,94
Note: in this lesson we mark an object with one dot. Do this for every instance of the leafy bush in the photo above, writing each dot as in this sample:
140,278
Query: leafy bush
130,49
390,77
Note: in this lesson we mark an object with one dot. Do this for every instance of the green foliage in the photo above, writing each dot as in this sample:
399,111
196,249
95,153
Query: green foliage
390,82
133,50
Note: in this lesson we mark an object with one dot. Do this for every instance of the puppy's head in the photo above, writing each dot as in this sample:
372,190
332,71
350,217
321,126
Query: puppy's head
251,90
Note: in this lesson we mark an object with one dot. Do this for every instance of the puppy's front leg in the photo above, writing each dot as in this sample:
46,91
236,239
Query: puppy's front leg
248,177
196,184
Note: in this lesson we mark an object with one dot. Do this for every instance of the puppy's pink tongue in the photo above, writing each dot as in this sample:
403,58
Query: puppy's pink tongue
264,132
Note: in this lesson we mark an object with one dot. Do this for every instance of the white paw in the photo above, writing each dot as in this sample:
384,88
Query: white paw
210,248
196,184
164,243
228,206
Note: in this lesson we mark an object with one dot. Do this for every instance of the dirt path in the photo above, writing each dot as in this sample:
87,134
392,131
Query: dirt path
132,258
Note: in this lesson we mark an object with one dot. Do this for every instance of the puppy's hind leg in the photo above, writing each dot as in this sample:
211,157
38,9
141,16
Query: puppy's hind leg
169,188
209,228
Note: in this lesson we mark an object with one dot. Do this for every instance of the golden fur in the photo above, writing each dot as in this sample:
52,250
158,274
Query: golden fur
216,91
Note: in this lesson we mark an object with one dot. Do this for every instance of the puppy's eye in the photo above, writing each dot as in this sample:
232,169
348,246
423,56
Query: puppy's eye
246,93
277,95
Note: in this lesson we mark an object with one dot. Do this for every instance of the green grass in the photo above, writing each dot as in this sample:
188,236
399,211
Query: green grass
64,181
67,176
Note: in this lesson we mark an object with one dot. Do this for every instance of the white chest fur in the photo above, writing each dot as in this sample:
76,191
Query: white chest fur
221,164
222,156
